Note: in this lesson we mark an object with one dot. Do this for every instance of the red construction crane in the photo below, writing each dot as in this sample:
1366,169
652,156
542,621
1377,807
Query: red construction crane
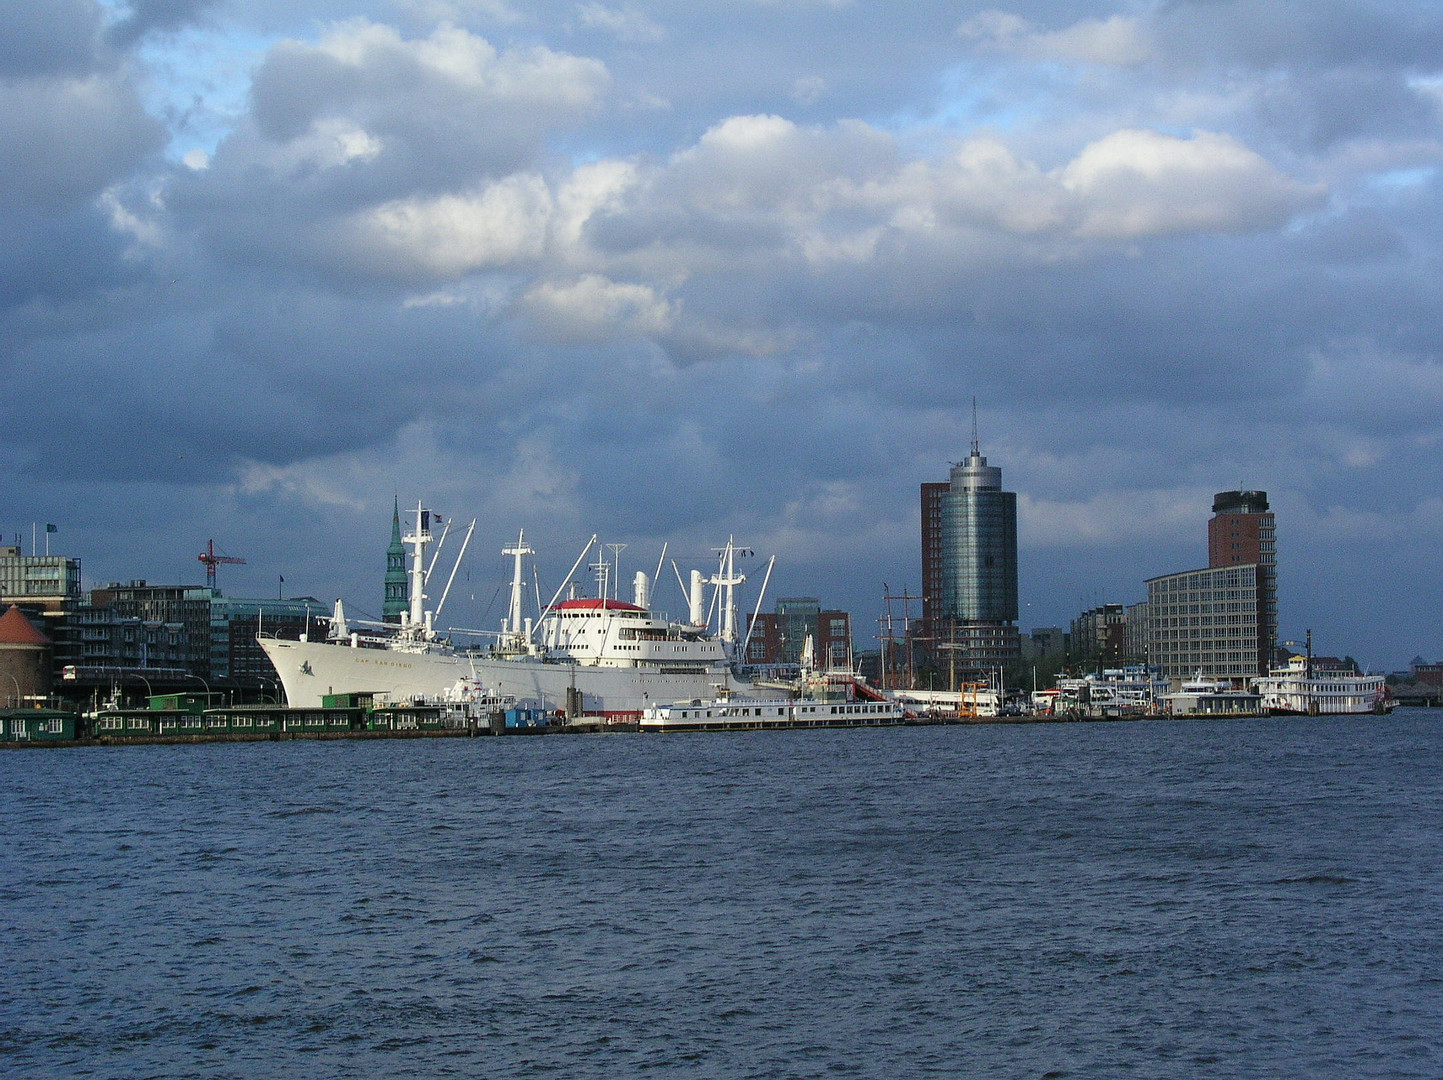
212,560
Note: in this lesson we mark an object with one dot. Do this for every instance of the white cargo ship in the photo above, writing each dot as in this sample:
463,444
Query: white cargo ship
594,656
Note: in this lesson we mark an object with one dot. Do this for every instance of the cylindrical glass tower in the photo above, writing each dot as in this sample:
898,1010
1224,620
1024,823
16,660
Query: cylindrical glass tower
979,545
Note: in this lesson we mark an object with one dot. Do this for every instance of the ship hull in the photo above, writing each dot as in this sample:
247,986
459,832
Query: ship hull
311,670
1299,708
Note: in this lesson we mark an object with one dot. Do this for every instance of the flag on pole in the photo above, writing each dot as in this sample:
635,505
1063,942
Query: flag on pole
50,528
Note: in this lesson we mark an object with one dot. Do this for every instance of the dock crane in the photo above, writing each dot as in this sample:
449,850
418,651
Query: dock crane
212,560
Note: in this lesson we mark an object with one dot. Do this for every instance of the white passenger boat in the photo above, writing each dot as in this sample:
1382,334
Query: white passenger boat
1113,693
726,714
1302,687
973,701
594,656
1201,696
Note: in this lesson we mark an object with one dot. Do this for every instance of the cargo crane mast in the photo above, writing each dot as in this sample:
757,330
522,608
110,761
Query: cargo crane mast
212,560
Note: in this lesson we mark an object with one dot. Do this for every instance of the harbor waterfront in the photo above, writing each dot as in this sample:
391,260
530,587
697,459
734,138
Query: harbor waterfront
1221,898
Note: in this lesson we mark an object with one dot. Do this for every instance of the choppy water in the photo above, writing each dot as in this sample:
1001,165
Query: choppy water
1200,899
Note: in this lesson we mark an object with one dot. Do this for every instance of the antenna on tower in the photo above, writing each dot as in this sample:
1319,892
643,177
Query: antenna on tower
976,447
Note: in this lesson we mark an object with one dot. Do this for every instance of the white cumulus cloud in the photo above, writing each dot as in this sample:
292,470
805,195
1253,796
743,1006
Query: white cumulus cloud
504,224
594,308
1140,183
1117,41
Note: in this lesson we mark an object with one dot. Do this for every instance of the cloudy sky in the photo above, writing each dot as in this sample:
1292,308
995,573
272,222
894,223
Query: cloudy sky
673,271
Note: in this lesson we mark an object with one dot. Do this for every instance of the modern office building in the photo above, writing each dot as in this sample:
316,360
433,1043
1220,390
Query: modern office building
107,645
1138,651
933,492
1045,641
969,569
183,611
1211,622
1220,622
41,581
235,624
47,589
779,638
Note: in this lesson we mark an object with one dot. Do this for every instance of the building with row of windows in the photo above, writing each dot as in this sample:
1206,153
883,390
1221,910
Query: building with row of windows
140,634
1100,635
1210,622
778,638
1219,621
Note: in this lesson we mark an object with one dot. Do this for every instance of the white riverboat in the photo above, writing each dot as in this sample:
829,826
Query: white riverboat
1201,696
594,656
727,714
973,701
1303,687
1114,693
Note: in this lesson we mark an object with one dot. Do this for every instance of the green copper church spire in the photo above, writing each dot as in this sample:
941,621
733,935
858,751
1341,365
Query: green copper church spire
398,591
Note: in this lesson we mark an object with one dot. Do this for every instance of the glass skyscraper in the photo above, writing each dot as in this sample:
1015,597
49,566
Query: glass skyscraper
969,568
979,545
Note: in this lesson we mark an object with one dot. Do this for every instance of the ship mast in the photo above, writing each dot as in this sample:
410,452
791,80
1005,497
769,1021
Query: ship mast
513,615
418,540
727,579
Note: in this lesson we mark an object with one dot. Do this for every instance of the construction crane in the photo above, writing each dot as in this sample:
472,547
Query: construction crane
212,560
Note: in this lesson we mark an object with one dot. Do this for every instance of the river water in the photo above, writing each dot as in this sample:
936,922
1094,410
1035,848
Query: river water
1244,898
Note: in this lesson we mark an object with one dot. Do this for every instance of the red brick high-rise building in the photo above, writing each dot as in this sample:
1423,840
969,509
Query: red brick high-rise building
1242,531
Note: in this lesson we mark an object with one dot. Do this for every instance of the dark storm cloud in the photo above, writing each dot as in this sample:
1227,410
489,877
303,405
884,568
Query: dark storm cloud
1318,110
63,140
71,122
76,255
148,16
49,37
1272,34
1325,73
260,376
71,125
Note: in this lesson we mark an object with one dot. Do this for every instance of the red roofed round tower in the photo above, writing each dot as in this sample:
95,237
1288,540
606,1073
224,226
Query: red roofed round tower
25,660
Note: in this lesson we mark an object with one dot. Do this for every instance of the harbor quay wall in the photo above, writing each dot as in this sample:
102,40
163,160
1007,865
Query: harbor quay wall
52,727
35,728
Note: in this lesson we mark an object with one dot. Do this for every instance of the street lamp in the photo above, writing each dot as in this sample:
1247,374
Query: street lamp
17,688
150,693
198,679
